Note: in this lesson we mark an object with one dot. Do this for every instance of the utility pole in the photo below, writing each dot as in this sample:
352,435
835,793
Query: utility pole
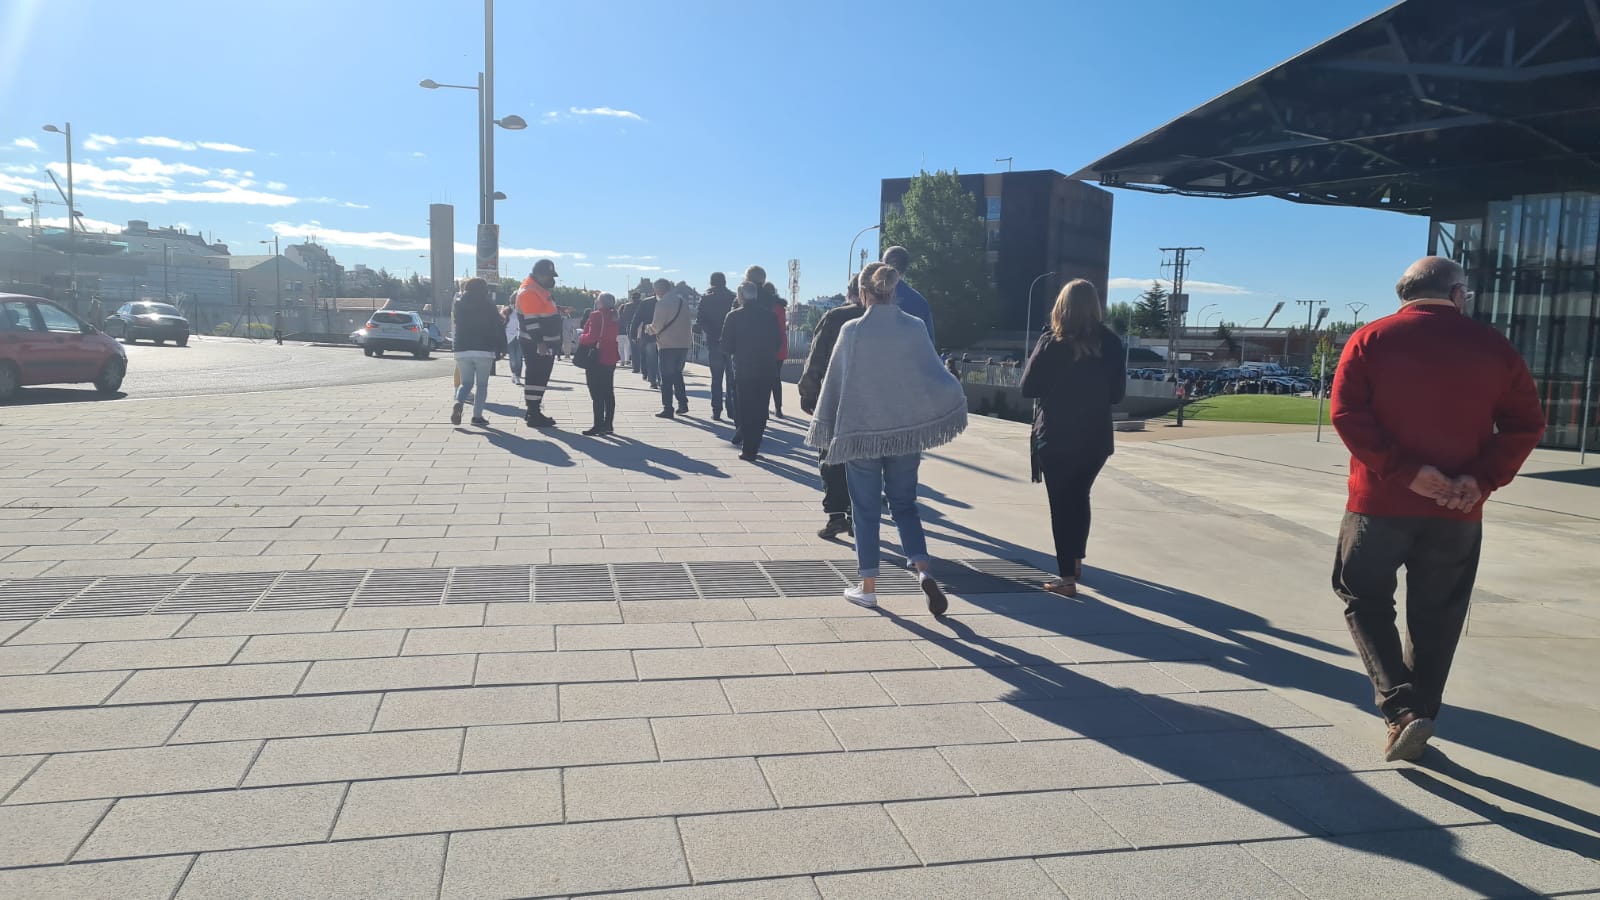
1006,160
1177,301
1357,308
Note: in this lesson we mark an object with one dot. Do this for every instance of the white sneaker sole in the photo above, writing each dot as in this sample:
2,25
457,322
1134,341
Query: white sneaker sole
1413,741
866,602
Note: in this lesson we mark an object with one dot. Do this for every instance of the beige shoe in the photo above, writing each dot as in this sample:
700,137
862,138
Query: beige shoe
1066,587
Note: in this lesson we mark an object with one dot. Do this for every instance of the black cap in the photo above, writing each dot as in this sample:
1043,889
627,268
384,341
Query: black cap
545,266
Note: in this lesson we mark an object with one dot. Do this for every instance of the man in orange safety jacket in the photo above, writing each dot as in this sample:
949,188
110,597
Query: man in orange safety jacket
540,338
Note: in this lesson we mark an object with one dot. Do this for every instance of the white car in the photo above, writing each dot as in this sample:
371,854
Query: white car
391,329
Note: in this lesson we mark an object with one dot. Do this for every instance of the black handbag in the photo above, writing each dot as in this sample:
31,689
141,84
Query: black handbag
586,356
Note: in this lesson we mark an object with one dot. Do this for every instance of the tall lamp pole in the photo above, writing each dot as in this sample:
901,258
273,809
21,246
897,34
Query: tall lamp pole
850,258
72,216
1027,320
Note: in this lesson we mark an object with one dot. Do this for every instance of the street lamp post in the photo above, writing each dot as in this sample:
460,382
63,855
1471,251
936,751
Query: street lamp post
72,216
850,258
486,192
1356,308
1202,316
1027,319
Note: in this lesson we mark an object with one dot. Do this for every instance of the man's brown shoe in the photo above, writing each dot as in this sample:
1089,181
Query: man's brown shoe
1408,738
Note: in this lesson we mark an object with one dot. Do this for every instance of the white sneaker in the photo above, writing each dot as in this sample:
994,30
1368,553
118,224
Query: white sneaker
859,597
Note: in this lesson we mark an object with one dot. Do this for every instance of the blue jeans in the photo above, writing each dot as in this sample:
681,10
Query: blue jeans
474,381
514,352
652,361
720,367
870,480
670,360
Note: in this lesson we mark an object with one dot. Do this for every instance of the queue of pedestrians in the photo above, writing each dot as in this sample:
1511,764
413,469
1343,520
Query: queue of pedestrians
1437,410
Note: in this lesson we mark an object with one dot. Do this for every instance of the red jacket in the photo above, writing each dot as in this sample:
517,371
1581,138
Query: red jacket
782,313
601,331
1429,386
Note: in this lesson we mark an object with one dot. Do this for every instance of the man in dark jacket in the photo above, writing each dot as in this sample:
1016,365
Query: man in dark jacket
644,343
625,328
752,336
715,305
835,492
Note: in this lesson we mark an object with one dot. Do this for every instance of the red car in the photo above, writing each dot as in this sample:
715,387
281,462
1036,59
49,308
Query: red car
41,343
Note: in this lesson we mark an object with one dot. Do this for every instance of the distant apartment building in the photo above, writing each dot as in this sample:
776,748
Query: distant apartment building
324,269
1034,222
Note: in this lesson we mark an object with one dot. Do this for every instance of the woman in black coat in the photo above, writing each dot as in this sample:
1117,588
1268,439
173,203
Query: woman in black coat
1076,373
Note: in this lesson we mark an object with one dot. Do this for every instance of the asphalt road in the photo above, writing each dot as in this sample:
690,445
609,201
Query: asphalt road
213,365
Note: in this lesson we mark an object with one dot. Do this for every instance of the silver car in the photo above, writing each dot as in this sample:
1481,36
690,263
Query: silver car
391,329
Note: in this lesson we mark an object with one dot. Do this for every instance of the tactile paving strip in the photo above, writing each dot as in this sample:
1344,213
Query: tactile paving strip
128,595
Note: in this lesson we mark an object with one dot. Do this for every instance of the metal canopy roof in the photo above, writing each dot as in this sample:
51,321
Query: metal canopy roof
1431,103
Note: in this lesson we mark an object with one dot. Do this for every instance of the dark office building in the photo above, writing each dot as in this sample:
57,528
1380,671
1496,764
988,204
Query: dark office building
1036,222
1483,115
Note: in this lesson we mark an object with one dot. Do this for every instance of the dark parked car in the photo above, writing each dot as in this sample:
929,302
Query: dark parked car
146,320
41,343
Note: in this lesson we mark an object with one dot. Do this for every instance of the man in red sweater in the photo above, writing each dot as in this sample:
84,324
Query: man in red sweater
1438,411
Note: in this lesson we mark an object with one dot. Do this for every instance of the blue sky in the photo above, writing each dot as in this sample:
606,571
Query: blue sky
671,138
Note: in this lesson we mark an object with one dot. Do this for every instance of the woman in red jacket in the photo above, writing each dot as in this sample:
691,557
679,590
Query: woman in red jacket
780,308
600,332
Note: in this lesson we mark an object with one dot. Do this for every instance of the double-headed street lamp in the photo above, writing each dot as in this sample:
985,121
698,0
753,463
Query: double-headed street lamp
486,192
1027,320
72,216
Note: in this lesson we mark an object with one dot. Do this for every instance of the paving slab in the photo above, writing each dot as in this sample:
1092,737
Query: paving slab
546,612
557,744
865,656
453,707
1043,765
1171,814
326,645
341,676
1091,717
708,662
1013,879
748,734
792,842
343,757
288,621
787,692
133,879
979,828
554,860
1368,801
13,769
242,720
626,636
646,612
32,659
66,730
555,668
819,779
886,727
211,683
46,834
98,628
966,686
449,803
50,691
1217,755
764,632
385,617
642,698
1179,873
771,889
488,639
394,869
220,820
664,789
1230,711
146,770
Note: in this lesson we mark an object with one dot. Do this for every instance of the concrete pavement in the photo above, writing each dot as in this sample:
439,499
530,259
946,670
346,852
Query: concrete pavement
307,695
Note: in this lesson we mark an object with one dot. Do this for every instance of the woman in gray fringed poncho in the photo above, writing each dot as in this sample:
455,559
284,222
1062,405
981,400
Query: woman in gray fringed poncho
886,398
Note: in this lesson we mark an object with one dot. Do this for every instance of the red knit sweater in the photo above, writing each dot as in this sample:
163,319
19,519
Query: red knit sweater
1429,386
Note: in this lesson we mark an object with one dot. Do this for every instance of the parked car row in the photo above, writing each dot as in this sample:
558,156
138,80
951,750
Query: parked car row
42,343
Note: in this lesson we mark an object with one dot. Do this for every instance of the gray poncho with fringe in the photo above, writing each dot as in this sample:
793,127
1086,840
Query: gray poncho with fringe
886,392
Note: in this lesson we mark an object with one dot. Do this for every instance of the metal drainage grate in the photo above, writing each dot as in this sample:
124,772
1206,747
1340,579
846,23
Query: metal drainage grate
403,587
653,581
804,577
490,584
219,593
573,583
731,581
34,597
312,590
124,595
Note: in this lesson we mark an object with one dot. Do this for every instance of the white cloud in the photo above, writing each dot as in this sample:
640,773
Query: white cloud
168,143
223,147
390,240
20,170
418,154
606,111
277,186
25,143
625,256
1191,286
584,265
98,142
149,166
633,267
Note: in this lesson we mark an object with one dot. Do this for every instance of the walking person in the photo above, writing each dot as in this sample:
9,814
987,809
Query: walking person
1438,411
600,332
751,337
644,340
780,308
907,297
715,304
835,492
886,398
540,338
624,323
1076,374
479,336
672,327
513,328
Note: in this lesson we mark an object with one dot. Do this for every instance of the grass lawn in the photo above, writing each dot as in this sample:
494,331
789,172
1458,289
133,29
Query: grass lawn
1274,409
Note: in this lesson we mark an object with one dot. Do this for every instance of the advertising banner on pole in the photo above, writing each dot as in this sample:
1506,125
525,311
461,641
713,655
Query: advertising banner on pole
489,253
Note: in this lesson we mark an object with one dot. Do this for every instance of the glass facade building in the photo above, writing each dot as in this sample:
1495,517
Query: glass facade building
1533,262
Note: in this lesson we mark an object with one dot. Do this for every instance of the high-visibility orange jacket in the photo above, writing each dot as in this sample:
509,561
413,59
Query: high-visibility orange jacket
541,321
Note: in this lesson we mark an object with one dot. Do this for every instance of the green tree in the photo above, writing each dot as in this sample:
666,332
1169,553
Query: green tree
1340,328
1119,317
1231,343
389,286
1325,353
1150,312
509,288
578,300
948,264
